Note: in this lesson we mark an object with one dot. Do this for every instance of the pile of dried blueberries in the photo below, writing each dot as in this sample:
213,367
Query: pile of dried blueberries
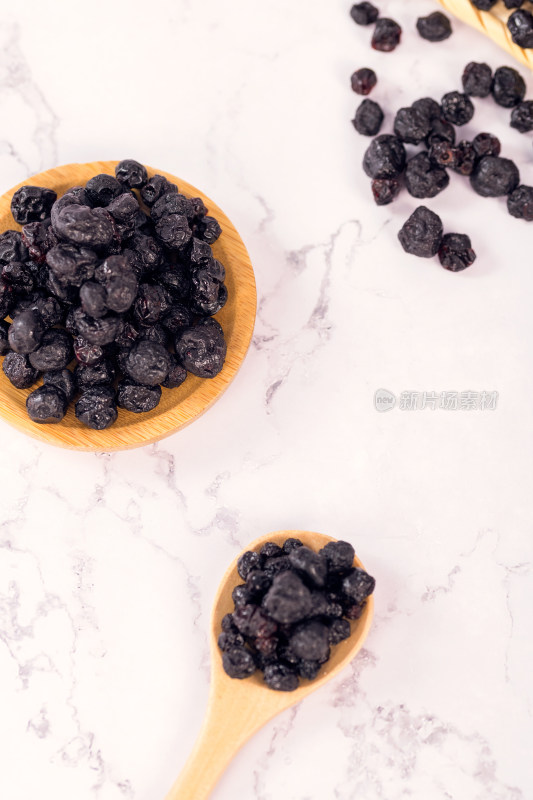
293,606
117,277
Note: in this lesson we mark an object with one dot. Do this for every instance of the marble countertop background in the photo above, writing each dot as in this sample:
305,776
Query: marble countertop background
109,563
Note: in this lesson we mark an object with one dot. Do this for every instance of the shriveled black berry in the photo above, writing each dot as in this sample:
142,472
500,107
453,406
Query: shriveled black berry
508,87
202,348
457,108
520,203
35,238
26,332
310,641
411,125
155,333
151,305
522,116
174,231
428,107
102,189
86,227
385,157
19,371
440,131
288,600
312,566
208,229
97,408
119,283
248,561
368,118
385,190
136,397
72,265
47,404
4,343
291,544
442,153
252,621
100,374
92,296
486,144
177,318
495,176
308,669
435,27
154,188
86,352
421,234
477,79
280,677
423,178
465,158
339,555
520,25
364,13
230,639
147,251
62,379
97,331
176,374
363,80
257,583
206,295
131,174
32,204
358,585
148,363
455,252
53,352
339,630
484,5
276,564
271,550
12,247
238,662
386,36
170,203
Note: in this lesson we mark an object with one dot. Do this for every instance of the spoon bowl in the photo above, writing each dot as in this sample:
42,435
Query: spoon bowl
238,708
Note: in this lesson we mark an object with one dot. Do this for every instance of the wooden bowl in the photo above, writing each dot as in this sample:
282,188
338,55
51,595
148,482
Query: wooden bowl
178,407
492,23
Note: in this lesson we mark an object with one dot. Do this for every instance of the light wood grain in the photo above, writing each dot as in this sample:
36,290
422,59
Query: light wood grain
238,708
492,23
178,407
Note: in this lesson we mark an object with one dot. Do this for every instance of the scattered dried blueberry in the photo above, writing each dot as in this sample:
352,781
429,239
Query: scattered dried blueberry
494,176
520,24
47,404
435,27
368,118
457,108
131,174
387,35
97,407
520,203
364,13
423,178
385,157
385,190
421,234
486,144
363,80
508,87
477,79
411,125
32,204
455,252
522,116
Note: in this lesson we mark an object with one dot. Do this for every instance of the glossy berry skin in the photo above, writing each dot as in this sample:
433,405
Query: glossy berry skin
423,178
92,296
464,158
486,144
54,351
428,107
358,585
411,125
26,332
421,234
154,188
35,237
364,13
494,176
508,87
455,252
238,663
368,118
457,108
520,25
208,230
19,371
386,36
62,379
436,27
86,227
100,374
201,348
97,331
72,265
477,79
12,247
440,131
385,190
137,398
131,174
148,363
520,203
86,352
207,295
97,408
4,342
174,231
363,80
385,157
522,116
32,204
46,405
103,189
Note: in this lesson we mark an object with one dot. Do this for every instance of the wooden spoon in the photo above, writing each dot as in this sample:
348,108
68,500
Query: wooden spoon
238,708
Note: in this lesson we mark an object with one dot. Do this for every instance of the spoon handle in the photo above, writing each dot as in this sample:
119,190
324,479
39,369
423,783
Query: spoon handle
227,726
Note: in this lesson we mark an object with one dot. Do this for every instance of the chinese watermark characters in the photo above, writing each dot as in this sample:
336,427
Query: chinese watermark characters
436,401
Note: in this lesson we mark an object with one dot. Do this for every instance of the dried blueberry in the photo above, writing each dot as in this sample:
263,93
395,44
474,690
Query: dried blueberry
483,5
457,108
385,190
35,238
208,229
87,227
363,80
100,374
238,662
339,630
421,234
54,351
508,87
435,27
97,331
207,295
72,265
291,544
170,203
494,176
385,157
520,24
358,585
455,252
19,371
248,561
97,408
102,189
62,379
339,555
4,343
26,332
202,348
174,231
12,247
154,188
280,677
522,116
136,397
368,118
92,296
151,305
32,204
176,374
288,600
440,131
364,13
411,125
386,36
485,144
148,363
131,174
423,178
310,641
312,566
47,404
520,203
477,79
87,353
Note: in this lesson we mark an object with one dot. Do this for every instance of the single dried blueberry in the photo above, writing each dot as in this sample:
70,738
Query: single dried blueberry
274,565
291,544
288,600
101,374
241,596
196,209
208,229
494,176
87,227
19,371
463,157
421,234
131,174
457,108
364,13
97,408
202,348
154,188
486,144
12,247
148,363
252,621
136,397
72,265
312,566
436,27
54,351
86,352
386,36
47,404
271,550
339,630
423,178
21,276
174,231
62,379
4,343
520,25
170,203
522,116
358,585
238,663
229,639
73,197
199,253
455,252
339,555
124,209
148,252
368,118
520,203
35,238
477,79
32,204
385,190
67,294
102,189
440,131
176,281
207,295
363,80
248,561
26,332
411,125
151,305
93,296
177,318
385,157
508,87
280,677
308,669
427,106
310,641
97,331
176,374
155,333
257,583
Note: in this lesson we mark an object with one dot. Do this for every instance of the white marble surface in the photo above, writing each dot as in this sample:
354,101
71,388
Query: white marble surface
109,563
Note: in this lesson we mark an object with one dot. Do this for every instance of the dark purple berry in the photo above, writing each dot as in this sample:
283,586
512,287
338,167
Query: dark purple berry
494,176
457,108
522,116
102,189
508,87
385,157
62,379
435,27
368,118
385,190
19,371
131,174
421,234
386,36
97,408
520,25
440,131
358,585
339,555
411,125
47,404
202,348
238,663
455,252
423,178
485,144
363,80
520,203
26,332
477,79
364,13
32,204
136,397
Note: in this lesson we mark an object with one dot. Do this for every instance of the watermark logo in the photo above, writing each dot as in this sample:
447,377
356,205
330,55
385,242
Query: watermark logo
384,400
449,400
